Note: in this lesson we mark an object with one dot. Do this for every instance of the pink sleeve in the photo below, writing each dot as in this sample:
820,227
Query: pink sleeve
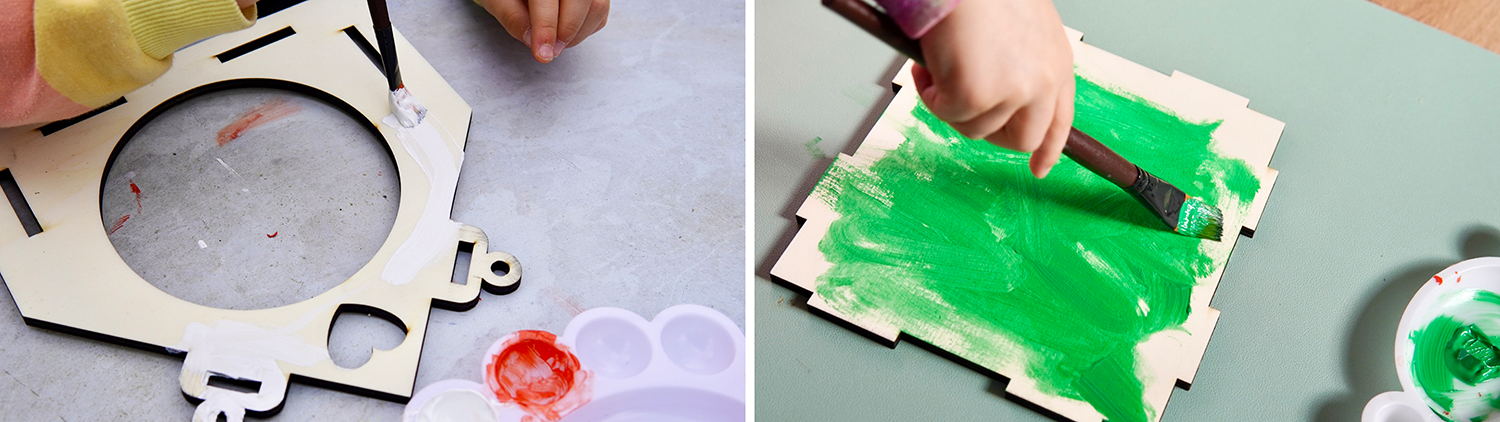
27,98
915,17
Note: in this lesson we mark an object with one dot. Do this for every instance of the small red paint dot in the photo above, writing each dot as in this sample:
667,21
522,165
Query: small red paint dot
1439,279
274,234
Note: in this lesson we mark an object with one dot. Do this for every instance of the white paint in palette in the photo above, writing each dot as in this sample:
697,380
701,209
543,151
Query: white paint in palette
434,233
457,405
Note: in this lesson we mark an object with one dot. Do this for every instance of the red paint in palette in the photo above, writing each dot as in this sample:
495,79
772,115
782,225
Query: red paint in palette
274,109
1439,279
539,375
118,224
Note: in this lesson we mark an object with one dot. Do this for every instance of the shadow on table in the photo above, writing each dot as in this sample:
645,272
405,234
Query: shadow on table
1369,356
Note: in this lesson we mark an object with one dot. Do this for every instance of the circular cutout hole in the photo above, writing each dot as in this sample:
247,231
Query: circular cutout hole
249,198
613,348
500,268
697,344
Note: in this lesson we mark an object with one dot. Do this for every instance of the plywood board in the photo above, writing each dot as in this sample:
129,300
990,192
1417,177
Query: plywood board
1164,357
68,277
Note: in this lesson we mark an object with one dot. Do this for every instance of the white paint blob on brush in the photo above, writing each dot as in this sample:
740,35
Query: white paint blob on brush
406,108
434,233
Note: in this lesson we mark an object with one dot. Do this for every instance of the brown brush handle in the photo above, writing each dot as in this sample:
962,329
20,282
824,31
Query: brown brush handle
1080,147
880,25
1100,159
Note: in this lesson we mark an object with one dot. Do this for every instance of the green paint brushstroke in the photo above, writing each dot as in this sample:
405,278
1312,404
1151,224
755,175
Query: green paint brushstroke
813,149
1454,354
954,241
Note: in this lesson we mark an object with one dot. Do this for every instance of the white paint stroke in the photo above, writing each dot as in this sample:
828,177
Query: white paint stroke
226,167
240,350
434,233
202,245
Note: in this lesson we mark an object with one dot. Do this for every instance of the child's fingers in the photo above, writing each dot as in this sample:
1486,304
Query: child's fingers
922,78
1057,137
986,126
571,15
544,29
598,16
512,15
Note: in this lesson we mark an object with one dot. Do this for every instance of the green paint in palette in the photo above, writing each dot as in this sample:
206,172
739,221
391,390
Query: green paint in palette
1454,359
953,241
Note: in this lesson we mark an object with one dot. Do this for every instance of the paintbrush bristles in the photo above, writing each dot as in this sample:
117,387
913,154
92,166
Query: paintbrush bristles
1199,219
1183,214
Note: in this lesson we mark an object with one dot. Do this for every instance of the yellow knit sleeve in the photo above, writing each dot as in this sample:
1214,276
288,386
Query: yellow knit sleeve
94,51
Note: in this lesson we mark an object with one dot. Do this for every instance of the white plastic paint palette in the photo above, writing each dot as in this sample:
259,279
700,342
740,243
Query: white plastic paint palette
687,364
1443,294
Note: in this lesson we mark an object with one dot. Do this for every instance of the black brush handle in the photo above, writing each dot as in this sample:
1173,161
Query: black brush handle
381,19
1080,147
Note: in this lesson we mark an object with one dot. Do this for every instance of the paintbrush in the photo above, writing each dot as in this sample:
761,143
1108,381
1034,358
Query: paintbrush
404,106
1183,214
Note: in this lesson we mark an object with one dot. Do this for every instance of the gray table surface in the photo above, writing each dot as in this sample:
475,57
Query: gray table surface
1387,176
615,174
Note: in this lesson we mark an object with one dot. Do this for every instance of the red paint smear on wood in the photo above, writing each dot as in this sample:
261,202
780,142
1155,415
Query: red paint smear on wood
273,235
274,109
118,224
137,191
539,375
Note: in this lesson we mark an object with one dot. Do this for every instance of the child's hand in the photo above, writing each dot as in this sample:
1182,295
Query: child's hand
548,26
1002,71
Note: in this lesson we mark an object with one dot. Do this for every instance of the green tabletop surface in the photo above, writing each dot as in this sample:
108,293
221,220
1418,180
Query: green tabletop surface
1387,177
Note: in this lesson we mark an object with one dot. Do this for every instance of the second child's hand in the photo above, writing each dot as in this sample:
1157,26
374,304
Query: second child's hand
549,26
